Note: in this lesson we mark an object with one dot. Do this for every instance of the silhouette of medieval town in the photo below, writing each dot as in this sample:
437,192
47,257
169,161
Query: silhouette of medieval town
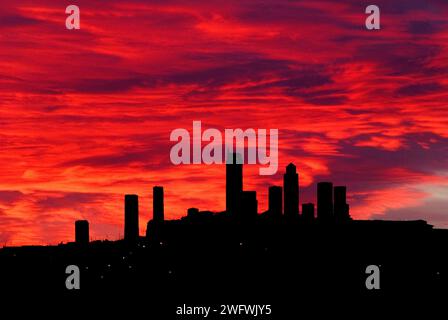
241,252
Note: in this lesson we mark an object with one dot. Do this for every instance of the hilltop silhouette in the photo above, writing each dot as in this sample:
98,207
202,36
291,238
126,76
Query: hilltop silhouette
241,254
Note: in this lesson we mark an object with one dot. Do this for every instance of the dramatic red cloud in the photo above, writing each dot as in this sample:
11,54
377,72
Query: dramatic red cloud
86,114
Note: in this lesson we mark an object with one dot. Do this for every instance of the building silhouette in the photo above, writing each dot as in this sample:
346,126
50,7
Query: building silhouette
341,208
227,255
249,209
192,212
131,217
325,201
291,190
82,232
157,204
308,212
275,201
234,183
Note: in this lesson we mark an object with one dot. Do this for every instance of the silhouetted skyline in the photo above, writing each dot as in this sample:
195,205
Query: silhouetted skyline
243,251
242,205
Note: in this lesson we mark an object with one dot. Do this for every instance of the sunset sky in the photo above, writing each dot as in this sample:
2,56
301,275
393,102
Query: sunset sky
86,115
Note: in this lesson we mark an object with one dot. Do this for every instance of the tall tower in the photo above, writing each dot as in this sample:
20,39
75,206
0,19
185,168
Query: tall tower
131,217
249,206
234,183
325,201
82,232
341,211
157,204
291,189
275,201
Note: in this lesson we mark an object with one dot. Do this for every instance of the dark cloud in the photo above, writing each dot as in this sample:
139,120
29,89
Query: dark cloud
69,200
110,85
295,78
255,74
401,58
9,197
433,210
419,89
123,158
248,68
291,12
425,27
374,164
399,7
16,20
327,100
365,168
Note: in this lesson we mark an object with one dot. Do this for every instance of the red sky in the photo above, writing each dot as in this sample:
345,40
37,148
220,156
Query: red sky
86,115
